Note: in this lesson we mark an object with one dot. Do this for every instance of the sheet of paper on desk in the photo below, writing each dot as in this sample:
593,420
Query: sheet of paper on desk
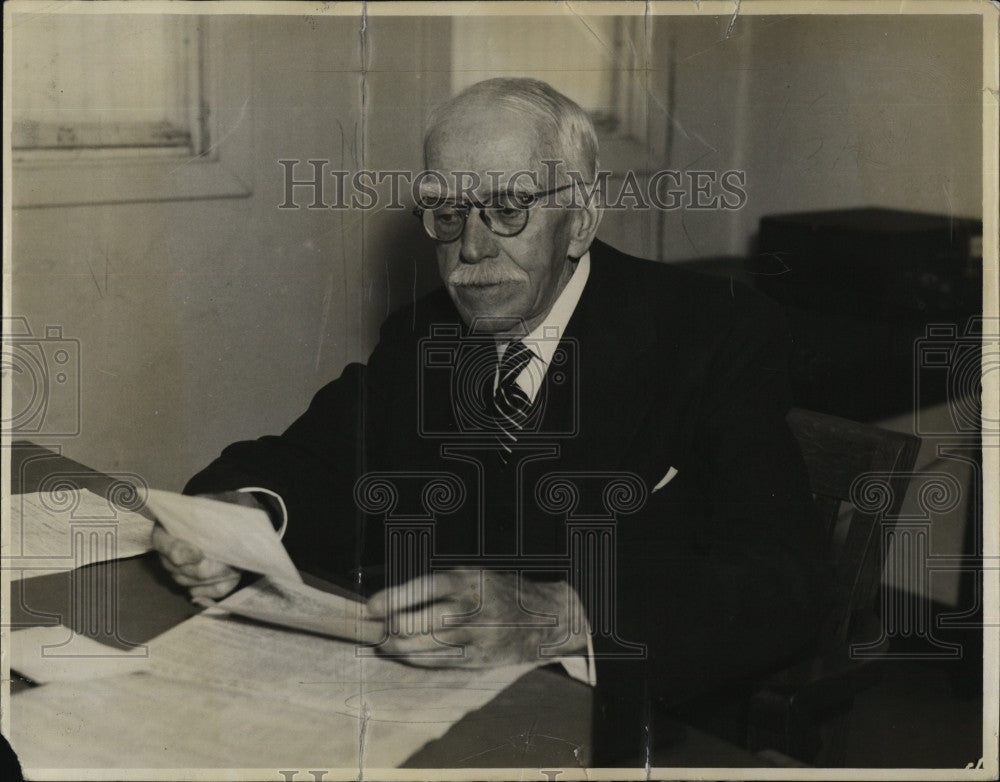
399,707
55,532
304,608
145,722
226,532
57,654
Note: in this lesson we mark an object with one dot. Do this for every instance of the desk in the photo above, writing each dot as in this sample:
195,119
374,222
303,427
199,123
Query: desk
543,720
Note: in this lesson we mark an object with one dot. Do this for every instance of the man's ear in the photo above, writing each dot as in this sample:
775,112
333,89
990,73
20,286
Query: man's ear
583,228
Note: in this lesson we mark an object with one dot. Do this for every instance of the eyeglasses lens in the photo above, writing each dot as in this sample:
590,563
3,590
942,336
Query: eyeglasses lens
505,215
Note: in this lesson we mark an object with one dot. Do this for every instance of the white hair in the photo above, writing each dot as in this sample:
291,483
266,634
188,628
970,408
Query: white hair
566,130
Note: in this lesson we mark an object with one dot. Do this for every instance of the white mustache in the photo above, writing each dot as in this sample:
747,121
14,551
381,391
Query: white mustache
477,275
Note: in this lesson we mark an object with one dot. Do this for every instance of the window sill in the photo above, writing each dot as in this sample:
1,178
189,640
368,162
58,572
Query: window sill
103,181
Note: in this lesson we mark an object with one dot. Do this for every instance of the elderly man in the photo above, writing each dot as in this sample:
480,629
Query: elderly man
555,382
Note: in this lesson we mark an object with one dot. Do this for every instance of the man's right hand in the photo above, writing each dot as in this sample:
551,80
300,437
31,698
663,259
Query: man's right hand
205,578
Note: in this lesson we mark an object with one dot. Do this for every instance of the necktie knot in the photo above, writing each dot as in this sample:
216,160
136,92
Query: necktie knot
516,357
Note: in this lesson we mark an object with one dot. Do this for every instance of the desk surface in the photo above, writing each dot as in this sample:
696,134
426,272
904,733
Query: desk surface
543,720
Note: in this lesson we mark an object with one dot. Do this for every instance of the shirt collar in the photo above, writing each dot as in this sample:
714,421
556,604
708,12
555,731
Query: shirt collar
542,341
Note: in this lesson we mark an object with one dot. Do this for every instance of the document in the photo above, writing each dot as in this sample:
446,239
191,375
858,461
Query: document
61,531
392,709
57,654
304,608
221,691
144,722
238,536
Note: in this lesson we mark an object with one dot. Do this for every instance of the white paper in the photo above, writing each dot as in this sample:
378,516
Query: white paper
60,532
401,707
304,608
301,607
53,654
143,721
224,531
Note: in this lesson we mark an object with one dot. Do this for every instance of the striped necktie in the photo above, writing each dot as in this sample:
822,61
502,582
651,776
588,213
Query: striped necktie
511,404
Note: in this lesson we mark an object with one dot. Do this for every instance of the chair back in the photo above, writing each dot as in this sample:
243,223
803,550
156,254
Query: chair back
870,468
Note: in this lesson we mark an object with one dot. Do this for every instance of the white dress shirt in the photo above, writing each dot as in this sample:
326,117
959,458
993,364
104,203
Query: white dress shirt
543,340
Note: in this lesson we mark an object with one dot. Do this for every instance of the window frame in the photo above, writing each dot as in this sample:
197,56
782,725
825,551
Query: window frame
42,178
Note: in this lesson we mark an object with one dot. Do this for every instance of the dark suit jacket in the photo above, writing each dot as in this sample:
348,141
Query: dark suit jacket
715,573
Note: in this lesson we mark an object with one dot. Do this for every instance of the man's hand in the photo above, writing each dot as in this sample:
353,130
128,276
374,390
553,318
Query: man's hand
498,618
205,578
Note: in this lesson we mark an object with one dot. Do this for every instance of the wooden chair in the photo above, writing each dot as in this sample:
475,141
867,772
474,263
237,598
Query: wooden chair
802,712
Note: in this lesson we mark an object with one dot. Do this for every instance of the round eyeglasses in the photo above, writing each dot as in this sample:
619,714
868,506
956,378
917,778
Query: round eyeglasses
504,213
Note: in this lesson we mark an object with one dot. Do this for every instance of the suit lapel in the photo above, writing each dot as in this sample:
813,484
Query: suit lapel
614,382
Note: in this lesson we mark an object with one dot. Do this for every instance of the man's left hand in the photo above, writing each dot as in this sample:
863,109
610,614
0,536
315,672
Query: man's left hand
495,618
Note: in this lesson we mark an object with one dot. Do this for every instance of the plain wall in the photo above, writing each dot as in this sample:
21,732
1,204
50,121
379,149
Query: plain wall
821,112
203,322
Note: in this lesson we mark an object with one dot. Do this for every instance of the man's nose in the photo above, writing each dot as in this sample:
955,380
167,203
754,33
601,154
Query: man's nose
478,241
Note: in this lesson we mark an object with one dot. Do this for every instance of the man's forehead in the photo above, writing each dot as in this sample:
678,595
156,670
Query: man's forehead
483,149
436,183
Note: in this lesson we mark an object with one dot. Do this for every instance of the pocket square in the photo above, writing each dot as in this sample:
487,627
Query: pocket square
665,479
